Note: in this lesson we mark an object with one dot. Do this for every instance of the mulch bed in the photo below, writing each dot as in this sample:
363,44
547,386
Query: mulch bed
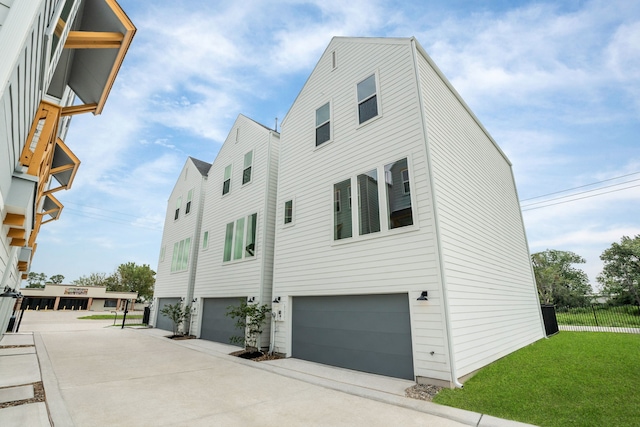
256,356
38,395
17,346
181,337
422,391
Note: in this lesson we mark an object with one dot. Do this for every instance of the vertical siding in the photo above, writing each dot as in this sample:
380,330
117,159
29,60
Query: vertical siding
307,259
493,305
249,276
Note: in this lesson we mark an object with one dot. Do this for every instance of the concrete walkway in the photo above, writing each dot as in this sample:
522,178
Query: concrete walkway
97,375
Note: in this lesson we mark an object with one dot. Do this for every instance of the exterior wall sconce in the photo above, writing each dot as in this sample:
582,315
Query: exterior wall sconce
251,299
423,296
181,299
276,300
194,300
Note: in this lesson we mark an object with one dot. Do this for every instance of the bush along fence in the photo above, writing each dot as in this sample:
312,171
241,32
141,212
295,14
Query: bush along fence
599,317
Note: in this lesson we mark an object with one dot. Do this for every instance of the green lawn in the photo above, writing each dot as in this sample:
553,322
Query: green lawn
110,316
570,379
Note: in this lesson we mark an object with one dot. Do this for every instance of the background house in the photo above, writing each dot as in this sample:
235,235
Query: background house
178,260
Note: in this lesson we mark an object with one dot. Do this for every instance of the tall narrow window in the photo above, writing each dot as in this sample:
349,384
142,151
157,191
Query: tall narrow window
185,254
246,172
323,124
174,258
342,213
369,207
178,204
187,208
205,240
238,239
398,194
226,185
288,212
250,247
162,251
367,99
228,242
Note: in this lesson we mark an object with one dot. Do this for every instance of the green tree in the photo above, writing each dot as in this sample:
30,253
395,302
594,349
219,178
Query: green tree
620,277
558,281
250,320
36,280
130,277
56,279
177,314
94,279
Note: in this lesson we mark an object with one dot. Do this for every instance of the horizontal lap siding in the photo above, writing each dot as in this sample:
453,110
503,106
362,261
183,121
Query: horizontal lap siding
214,277
307,260
171,284
492,301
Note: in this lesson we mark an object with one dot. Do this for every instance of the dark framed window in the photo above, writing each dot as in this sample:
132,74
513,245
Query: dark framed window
288,212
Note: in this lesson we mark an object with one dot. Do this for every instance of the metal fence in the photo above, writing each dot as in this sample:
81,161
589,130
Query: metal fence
599,317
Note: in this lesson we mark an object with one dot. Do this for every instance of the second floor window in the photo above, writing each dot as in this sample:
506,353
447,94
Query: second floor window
240,238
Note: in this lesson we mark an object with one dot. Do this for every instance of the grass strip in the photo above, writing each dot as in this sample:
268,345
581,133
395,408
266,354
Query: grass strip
570,379
110,317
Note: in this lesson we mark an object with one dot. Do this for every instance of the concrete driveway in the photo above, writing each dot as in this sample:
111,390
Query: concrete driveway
98,375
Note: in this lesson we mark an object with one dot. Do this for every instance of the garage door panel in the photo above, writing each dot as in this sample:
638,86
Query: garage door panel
370,333
216,325
162,321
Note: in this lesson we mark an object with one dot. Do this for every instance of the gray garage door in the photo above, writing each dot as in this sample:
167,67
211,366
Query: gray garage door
163,322
370,333
216,325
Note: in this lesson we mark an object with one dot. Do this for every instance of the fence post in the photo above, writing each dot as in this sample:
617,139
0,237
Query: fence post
594,314
124,317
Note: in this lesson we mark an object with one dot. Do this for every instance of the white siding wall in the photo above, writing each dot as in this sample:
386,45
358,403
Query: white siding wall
493,305
176,284
22,27
307,259
250,277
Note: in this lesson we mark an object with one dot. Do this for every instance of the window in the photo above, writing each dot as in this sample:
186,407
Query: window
205,240
369,207
367,99
246,172
342,214
228,242
323,124
178,203
187,208
240,238
180,260
226,185
162,251
398,194
288,212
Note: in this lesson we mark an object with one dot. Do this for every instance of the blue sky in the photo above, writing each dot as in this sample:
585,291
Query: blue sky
556,83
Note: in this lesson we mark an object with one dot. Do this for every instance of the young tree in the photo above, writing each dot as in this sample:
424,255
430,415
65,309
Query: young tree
36,280
558,281
620,275
135,278
56,279
177,314
94,279
249,321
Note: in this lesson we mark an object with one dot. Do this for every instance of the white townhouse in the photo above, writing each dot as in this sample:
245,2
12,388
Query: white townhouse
176,272
58,58
399,242
236,257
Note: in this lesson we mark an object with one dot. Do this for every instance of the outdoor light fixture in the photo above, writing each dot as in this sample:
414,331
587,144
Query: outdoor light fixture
276,300
194,300
423,296
11,293
181,299
251,299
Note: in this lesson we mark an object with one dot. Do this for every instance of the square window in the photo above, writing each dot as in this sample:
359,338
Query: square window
288,212
246,172
398,194
226,185
367,99
323,124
